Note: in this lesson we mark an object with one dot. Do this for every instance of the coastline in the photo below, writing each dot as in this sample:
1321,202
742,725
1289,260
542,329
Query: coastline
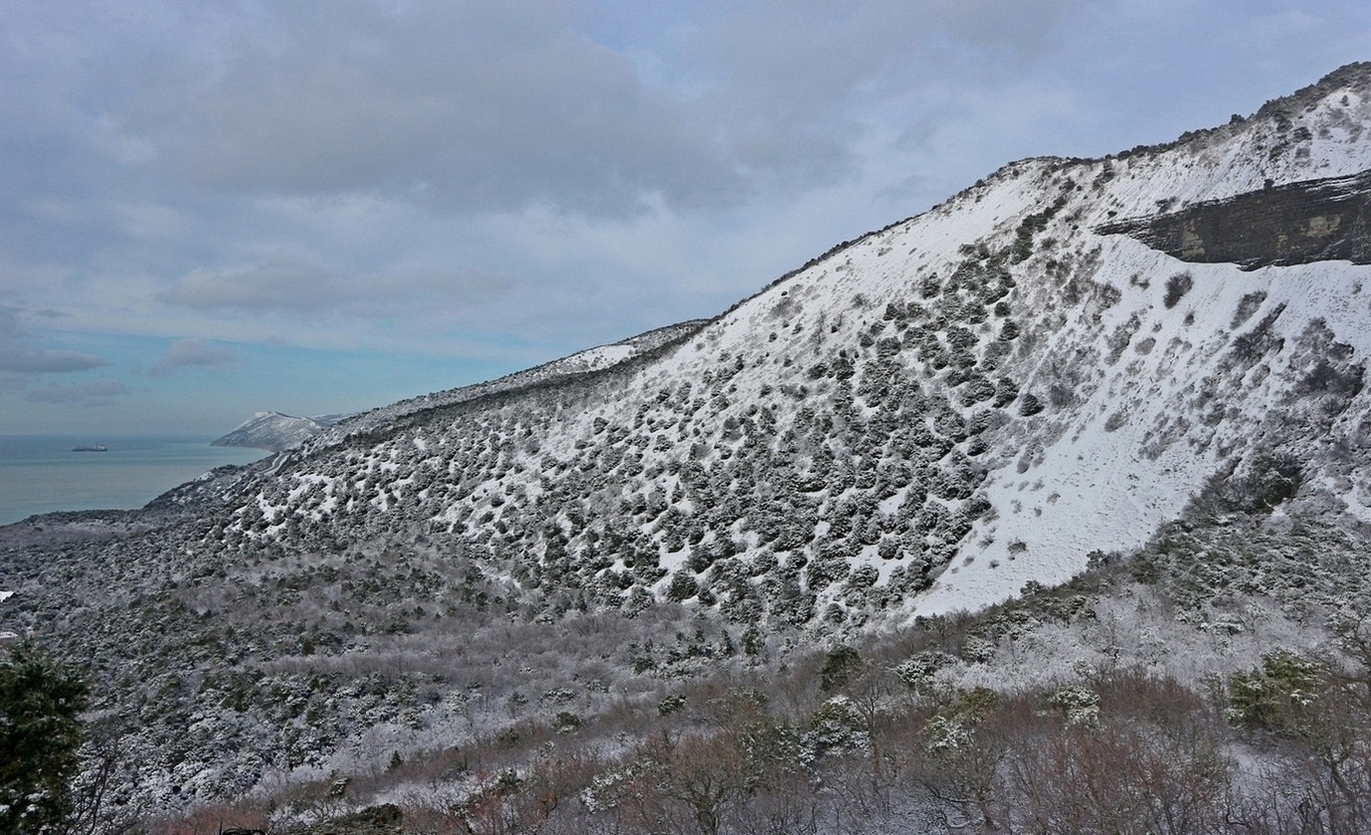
45,474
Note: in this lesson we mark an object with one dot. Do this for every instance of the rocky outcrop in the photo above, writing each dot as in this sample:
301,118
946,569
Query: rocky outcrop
1295,223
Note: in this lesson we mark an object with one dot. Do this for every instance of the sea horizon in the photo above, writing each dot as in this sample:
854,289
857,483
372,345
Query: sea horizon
43,473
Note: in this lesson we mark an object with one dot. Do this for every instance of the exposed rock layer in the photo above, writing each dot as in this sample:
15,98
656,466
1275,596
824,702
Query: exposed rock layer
1296,223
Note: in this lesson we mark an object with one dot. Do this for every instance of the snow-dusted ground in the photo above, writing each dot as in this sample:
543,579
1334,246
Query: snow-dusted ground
1106,484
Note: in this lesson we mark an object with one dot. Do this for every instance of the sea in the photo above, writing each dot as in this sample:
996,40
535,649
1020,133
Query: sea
44,473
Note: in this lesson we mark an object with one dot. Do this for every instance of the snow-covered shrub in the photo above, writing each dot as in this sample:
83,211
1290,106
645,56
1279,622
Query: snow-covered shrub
1275,695
836,726
1271,480
918,670
1176,288
977,649
953,728
682,587
1078,705
671,704
40,732
944,734
839,666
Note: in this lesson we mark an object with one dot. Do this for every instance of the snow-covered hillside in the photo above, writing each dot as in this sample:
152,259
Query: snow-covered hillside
922,420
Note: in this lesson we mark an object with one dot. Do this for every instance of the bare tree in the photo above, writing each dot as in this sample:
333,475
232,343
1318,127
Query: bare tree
95,810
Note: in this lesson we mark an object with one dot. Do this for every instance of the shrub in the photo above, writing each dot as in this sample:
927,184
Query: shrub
1005,392
836,725
1176,288
1077,705
840,665
1271,480
682,587
1275,695
671,704
977,650
1029,405
917,671
566,722
40,732
978,389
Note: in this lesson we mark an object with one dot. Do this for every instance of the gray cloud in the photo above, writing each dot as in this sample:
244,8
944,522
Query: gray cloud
800,84
496,106
288,287
31,361
193,353
474,106
304,289
95,393
19,358
492,182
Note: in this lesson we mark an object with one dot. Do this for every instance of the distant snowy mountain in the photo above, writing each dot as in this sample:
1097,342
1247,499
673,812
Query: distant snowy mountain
274,431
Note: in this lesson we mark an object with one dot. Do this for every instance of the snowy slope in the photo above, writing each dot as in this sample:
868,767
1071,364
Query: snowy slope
922,420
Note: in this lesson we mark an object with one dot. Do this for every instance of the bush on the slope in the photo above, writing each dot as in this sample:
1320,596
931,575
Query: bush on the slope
40,734
1278,696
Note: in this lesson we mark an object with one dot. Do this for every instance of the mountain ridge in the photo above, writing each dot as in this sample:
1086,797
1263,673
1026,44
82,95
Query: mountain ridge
995,248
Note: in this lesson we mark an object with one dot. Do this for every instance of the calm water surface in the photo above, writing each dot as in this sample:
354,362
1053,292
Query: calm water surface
41,473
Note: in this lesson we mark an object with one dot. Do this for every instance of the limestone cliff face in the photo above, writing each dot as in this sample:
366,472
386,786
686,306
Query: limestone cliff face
1295,223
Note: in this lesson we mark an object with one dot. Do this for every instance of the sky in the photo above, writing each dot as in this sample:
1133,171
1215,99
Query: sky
210,208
